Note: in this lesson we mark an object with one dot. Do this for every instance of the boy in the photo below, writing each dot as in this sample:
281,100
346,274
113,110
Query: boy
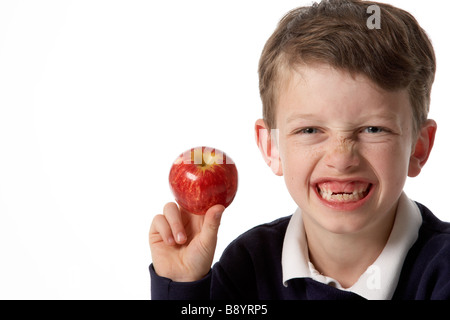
345,122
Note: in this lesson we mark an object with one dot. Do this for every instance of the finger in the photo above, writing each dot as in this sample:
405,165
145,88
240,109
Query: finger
173,216
211,224
161,227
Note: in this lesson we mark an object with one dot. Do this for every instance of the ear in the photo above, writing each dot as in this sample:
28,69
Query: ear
267,142
423,147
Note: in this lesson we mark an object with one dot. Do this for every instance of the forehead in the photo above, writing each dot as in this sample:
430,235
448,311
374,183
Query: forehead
321,90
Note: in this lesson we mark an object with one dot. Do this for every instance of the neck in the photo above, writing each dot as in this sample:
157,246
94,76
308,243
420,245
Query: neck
346,256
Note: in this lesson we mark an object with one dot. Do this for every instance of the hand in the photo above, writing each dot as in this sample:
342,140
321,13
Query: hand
183,244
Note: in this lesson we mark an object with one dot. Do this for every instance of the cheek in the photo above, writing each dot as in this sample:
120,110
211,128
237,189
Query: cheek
298,164
390,164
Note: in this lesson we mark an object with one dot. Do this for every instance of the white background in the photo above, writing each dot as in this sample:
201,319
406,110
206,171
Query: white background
97,98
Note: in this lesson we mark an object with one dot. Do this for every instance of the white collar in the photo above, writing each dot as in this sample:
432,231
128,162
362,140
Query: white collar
380,279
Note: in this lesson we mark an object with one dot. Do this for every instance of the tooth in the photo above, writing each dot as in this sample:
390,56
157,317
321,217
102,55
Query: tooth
343,196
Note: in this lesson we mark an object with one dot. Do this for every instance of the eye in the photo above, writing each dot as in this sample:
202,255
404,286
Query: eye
308,131
373,130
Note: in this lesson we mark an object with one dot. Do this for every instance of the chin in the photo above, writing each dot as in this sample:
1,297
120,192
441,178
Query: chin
338,223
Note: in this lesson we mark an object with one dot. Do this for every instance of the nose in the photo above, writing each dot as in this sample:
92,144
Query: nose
342,155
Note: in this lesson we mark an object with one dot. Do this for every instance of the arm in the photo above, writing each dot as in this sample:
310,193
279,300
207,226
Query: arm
166,289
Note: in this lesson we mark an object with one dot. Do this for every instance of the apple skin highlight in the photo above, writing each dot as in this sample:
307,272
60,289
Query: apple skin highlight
202,177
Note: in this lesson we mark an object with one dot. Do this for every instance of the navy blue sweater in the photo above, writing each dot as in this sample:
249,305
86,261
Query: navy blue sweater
250,268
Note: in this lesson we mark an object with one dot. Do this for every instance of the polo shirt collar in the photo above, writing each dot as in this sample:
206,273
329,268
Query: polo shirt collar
380,279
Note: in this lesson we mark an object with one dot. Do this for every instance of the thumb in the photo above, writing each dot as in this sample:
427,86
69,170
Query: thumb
213,216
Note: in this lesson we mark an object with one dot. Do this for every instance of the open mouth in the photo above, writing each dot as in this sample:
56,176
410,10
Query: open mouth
343,192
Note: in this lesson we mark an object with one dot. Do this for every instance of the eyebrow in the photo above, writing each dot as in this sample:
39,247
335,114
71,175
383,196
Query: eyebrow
296,116
389,116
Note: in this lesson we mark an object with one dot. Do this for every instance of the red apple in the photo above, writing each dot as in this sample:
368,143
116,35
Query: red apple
202,177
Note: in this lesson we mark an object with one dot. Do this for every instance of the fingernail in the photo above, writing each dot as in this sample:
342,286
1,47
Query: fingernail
170,240
218,215
181,237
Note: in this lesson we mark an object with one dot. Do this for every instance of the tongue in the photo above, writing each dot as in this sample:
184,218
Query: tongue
343,187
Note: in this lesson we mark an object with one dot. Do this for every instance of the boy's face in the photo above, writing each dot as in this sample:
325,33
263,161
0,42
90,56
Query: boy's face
344,147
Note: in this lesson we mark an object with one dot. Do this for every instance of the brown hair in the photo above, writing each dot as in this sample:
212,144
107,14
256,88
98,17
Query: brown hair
399,55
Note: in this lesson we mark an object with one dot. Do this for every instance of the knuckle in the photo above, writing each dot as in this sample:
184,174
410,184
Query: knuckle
158,224
157,219
170,207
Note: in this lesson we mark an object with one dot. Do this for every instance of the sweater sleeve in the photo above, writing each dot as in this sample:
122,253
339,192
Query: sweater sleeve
166,289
